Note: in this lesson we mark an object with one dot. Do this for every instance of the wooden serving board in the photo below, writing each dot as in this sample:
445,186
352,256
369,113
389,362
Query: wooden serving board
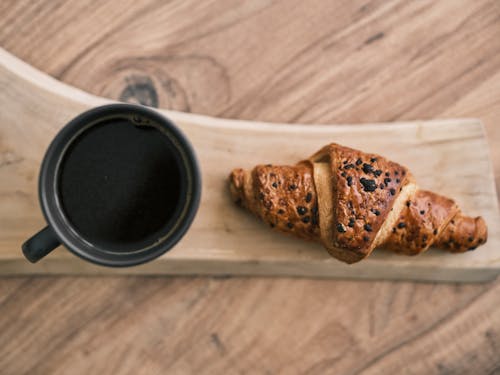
449,156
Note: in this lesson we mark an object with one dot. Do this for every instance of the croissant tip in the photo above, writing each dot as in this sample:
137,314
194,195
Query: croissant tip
236,185
482,228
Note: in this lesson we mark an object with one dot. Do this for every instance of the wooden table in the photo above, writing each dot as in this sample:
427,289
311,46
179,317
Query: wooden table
316,61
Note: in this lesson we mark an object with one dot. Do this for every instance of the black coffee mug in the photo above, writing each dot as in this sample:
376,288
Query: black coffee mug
119,186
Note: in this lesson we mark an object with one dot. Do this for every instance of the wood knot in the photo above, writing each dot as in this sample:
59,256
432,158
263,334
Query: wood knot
140,89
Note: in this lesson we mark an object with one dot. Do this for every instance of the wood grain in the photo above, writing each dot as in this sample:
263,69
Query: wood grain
315,61
223,238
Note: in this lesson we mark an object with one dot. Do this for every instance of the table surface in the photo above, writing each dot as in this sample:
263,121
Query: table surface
287,61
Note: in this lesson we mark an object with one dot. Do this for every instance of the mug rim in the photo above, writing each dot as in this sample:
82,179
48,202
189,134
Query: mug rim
54,213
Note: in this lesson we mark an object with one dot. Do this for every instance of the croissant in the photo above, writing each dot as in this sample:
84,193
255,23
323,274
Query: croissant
353,202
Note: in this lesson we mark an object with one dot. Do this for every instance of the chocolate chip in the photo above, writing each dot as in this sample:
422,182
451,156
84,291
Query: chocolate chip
408,203
280,212
393,230
401,225
377,173
367,168
292,187
359,162
349,166
396,173
422,212
305,219
349,180
308,197
367,227
314,210
368,185
398,180
387,174
470,239
373,160
275,185
381,186
424,238
392,191
472,248
289,225
376,212
343,174
351,222
435,231
301,210
366,238
387,180
345,161
341,228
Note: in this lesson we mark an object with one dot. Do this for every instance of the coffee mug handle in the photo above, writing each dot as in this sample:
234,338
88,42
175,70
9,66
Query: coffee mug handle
40,244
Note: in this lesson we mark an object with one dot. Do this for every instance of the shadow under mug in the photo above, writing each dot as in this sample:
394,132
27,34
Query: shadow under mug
119,186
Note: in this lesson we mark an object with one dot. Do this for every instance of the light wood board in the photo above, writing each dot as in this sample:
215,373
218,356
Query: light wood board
449,156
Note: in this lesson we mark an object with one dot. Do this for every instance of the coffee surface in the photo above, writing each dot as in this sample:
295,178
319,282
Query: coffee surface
120,185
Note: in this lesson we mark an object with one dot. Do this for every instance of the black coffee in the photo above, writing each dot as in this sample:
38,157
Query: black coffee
120,185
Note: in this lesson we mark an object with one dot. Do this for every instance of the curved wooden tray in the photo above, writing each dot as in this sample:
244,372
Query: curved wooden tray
449,156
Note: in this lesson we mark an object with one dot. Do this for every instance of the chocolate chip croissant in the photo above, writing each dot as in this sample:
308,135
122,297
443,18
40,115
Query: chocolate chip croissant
353,202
